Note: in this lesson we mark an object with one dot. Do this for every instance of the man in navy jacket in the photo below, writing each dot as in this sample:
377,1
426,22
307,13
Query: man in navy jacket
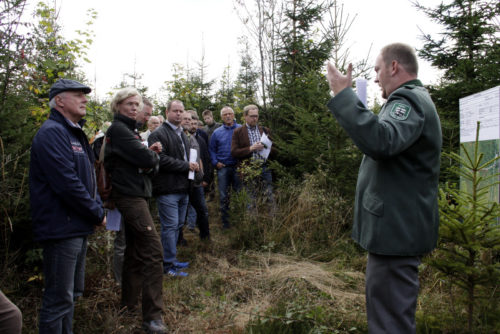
65,205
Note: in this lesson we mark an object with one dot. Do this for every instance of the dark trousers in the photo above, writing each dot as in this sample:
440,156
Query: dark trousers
391,293
228,179
143,262
197,200
119,245
64,276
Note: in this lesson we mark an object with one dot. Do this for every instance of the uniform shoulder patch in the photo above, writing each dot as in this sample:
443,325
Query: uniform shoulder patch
400,111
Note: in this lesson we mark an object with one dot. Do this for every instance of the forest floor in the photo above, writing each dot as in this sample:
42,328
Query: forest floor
227,291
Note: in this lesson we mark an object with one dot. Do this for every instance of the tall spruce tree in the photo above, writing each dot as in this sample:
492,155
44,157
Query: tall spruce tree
468,53
225,94
308,137
246,85
467,253
190,87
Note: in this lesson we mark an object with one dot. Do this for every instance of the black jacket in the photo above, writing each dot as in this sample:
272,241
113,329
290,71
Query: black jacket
128,160
208,169
173,175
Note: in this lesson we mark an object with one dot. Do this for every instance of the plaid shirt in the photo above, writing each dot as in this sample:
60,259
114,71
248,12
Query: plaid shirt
254,136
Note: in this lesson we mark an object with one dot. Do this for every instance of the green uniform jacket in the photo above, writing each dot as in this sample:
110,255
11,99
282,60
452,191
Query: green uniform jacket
396,209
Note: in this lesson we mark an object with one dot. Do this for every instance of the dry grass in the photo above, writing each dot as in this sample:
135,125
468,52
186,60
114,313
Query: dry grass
225,291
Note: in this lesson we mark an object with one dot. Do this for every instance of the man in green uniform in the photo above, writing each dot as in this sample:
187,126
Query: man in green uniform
396,212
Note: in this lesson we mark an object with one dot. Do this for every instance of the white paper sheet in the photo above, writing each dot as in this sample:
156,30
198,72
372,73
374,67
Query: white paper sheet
267,146
193,156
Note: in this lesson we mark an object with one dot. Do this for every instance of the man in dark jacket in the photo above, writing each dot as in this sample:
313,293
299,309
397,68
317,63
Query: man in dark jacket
65,205
171,184
197,209
211,124
396,211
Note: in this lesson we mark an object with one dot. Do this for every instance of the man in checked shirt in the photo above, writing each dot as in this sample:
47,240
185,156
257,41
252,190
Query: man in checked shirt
246,144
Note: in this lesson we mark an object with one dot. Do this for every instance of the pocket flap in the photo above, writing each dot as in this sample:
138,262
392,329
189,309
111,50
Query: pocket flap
373,204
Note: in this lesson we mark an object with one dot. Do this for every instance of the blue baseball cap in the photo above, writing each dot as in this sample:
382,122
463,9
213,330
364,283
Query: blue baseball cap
63,85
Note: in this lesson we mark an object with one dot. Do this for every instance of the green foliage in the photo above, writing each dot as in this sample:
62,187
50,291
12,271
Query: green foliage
225,95
98,113
192,88
308,137
246,87
30,62
468,53
292,318
469,245
52,56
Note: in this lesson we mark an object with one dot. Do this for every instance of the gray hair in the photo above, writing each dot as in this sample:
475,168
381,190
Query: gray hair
226,107
52,103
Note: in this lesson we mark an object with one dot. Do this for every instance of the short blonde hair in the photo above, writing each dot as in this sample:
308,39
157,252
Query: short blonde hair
249,107
124,94
207,112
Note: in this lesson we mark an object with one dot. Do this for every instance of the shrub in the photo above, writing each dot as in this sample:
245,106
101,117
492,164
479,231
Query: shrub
304,219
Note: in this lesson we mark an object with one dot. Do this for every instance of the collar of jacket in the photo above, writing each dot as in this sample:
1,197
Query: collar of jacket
129,122
214,125
252,127
56,115
414,82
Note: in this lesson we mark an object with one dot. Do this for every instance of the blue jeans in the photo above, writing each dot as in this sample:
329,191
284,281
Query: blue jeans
64,274
172,209
227,178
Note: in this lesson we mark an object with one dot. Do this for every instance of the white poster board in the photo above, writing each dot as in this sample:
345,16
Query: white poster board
485,108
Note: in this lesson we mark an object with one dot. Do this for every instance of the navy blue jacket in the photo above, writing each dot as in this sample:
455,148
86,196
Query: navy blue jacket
220,145
63,191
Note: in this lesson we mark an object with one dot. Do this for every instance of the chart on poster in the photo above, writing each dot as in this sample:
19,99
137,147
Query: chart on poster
483,107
